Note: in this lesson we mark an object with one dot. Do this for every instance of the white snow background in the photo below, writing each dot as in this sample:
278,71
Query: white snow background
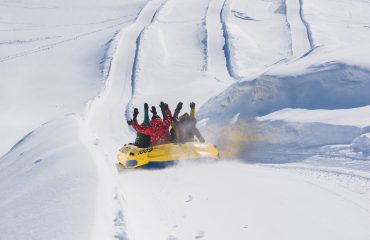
281,86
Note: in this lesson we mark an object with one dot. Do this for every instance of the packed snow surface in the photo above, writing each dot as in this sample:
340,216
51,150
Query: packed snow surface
282,87
232,200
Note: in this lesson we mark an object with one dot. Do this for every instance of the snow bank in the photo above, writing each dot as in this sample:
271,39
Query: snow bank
296,114
362,144
327,86
52,187
48,184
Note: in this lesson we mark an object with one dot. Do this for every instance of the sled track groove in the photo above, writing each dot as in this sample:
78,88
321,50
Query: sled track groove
227,46
136,59
133,74
106,61
307,25
118,66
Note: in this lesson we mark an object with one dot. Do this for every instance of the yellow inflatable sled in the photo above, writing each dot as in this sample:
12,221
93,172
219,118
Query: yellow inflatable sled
130,156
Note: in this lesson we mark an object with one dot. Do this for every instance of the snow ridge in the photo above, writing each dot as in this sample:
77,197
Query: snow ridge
106,61
133,74
270,93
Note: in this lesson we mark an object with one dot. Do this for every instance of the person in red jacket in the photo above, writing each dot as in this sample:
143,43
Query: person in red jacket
158,129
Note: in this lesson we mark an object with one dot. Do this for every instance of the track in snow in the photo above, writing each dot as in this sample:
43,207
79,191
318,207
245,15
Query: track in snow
106,113
302,41
306,24
218,60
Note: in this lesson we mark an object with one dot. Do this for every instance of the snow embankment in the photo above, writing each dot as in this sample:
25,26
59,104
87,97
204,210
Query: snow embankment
362,144
327,86
51,186
321,127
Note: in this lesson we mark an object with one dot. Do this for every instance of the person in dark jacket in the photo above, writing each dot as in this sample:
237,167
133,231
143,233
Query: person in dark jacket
185,126
158,129
142,140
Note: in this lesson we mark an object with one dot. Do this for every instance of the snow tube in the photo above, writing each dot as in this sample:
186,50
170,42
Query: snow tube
130,156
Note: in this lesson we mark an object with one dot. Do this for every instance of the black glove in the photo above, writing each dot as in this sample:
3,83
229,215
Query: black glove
154,110
136,112
192,105
146,106
129,122
179,106
161,105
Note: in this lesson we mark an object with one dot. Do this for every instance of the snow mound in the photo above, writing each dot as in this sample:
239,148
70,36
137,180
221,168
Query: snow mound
362,144
319,87
291,117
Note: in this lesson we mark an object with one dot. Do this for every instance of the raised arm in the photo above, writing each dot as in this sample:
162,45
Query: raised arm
192,110
177,111
146,115
168,119
163,110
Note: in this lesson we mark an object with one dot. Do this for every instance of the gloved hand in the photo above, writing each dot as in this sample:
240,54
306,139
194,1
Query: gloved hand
165,106
129,122
154,110
179,106
192,105
136,112
146,106
161,105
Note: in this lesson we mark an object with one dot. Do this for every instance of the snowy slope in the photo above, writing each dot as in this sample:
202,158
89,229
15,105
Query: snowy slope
52,56
42,188
278,82
55,57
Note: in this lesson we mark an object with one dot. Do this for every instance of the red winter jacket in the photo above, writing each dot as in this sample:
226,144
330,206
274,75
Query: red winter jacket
158,130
